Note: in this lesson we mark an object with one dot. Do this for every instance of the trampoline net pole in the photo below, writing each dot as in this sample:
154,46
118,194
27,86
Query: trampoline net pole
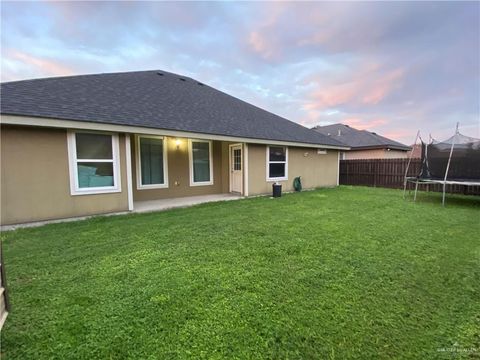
408,164
448,165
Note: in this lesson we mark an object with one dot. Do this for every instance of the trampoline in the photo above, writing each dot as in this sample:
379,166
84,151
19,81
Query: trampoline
455,161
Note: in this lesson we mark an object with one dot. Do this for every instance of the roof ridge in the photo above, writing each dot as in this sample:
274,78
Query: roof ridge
97,74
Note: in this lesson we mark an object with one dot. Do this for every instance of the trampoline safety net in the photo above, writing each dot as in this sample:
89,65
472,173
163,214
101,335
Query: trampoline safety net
464,163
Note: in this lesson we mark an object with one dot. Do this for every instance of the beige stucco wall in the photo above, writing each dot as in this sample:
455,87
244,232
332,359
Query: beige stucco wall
316,170
179,172
35,183
375,154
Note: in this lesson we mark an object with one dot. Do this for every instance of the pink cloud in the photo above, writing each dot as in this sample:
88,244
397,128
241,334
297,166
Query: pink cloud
41,65
405,135
367,86
354,122
361,124
265,39
310,118
261,45
383,86
333,96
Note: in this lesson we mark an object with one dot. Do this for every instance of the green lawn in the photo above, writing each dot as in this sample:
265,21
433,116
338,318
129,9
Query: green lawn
338,273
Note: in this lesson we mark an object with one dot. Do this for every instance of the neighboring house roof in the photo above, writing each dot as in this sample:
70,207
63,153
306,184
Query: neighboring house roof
151,99
359,139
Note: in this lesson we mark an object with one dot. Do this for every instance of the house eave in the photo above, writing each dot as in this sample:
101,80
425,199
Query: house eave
7,119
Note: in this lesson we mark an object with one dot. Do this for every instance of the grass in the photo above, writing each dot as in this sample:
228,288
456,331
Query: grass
346,273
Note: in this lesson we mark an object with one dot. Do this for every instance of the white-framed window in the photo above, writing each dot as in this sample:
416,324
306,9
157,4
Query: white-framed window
201,162
94,162
277,163
152,164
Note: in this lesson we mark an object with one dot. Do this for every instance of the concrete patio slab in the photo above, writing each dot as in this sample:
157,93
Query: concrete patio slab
164,204
138,207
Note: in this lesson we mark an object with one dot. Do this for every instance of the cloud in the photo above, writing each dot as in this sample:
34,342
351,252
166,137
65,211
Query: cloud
364,124
16,60
383,86
366,86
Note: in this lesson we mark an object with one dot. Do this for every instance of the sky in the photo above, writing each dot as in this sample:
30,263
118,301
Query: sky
389,67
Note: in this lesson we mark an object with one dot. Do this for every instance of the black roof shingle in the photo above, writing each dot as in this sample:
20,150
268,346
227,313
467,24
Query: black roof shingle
152,99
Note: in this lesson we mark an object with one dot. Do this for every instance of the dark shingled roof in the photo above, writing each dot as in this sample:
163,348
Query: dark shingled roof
359,139
152,99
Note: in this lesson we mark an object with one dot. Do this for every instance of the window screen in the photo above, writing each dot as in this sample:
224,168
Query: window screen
151,161
201,161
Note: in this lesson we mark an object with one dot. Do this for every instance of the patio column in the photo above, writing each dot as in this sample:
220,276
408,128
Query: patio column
245,169
128,157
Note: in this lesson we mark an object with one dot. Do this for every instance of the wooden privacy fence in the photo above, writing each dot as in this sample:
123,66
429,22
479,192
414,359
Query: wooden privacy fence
390,173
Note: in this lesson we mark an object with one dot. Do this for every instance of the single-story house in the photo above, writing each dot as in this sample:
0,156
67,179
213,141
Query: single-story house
94,144
364,144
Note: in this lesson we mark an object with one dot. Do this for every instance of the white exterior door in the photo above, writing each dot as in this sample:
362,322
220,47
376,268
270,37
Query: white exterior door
236,169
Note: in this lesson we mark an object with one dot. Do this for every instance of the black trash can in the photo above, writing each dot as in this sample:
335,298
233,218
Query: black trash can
277,190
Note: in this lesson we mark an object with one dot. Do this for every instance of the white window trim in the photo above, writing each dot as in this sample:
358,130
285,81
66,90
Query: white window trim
73,169
141,186
190,160
283,178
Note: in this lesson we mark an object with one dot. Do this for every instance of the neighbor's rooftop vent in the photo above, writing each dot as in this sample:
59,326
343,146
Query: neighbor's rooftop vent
160,73
199,83
182,79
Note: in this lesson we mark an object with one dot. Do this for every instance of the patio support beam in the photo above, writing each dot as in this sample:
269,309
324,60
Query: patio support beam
245,169
128,157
